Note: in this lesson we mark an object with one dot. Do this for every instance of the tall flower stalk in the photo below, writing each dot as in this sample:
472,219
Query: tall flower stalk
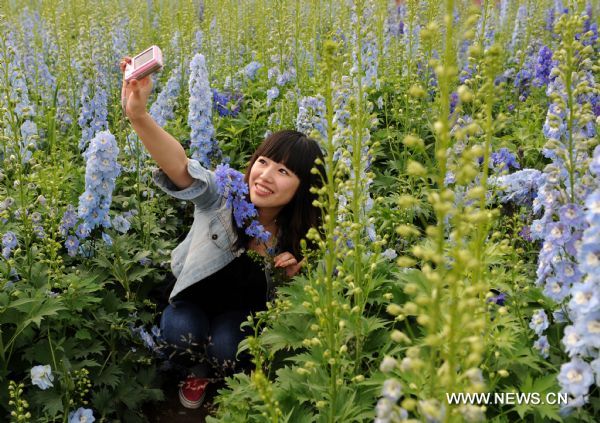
566,261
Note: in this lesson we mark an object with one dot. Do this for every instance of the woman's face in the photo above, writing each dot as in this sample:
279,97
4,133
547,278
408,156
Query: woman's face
272,184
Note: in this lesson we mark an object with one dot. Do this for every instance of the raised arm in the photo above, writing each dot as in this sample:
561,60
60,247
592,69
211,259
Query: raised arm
164,149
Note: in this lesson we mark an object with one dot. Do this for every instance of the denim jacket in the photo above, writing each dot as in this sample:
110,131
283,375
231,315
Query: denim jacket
209,246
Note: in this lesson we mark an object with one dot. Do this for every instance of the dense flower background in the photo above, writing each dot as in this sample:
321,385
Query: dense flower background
460,250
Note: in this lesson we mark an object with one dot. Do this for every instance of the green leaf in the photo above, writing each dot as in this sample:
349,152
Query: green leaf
110,376
83,334
49,308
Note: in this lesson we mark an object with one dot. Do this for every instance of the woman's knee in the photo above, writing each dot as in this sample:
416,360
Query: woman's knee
226,335
184,324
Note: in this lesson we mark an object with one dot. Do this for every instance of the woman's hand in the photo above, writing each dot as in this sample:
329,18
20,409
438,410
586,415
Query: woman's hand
289,263
134,94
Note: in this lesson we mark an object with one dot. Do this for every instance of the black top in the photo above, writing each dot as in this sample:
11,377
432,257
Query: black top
240,285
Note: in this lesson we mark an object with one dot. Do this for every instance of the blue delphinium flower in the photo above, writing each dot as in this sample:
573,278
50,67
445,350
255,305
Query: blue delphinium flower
29,133
162,109
251,69
519,187
312,116
231,184
539,322
83,231
519,28
523,79
389,254
37,71
81,415
121,224
101,173
68,221
39,232
42,377
542,345
9,242
94,109
227,103
499,299
272,94
107,239
576,377
19,91
203,146
502,160
543,67
72,245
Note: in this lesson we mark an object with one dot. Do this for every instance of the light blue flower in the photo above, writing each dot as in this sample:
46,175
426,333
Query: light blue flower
272,94
574,342
392,389
121,224
102,170
542,345
203,146
575,377
589,327
539,321
72,245
250,70
312,116
107,239
162,109
81,415
42,377
389,254
585,298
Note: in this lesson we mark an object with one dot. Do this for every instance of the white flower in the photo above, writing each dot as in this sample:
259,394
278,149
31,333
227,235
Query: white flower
41,376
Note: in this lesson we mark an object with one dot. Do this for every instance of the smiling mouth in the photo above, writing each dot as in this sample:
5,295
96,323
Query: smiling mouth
262,190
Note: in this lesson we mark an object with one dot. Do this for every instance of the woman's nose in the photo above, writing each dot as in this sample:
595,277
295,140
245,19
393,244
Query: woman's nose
267,172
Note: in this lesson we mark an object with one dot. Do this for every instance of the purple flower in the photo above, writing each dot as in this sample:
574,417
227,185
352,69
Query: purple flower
72,245
502,160
498,299
543,66
525,233
226,103
231,184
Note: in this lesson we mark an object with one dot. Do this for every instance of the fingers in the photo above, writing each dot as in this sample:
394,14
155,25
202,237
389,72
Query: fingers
285,259
124,62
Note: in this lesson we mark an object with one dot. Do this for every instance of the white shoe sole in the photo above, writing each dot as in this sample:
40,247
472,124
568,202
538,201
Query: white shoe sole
191,404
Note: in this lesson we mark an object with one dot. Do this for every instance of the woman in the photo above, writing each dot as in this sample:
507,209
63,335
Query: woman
218,284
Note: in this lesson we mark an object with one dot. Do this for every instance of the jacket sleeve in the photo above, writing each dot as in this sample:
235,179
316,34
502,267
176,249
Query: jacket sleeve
203,191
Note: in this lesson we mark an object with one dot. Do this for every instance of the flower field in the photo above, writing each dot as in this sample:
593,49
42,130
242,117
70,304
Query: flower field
460,246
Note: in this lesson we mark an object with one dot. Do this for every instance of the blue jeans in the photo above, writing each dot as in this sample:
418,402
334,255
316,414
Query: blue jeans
185,325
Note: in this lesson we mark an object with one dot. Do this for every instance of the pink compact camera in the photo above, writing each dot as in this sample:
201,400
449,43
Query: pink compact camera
145,63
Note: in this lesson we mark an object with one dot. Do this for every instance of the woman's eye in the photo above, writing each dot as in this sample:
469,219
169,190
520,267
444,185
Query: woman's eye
261,161
284,171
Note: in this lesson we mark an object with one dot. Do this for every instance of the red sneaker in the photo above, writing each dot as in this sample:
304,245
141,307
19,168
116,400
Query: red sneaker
192,391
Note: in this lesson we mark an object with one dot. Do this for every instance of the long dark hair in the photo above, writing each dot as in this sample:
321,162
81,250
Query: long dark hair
298,153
